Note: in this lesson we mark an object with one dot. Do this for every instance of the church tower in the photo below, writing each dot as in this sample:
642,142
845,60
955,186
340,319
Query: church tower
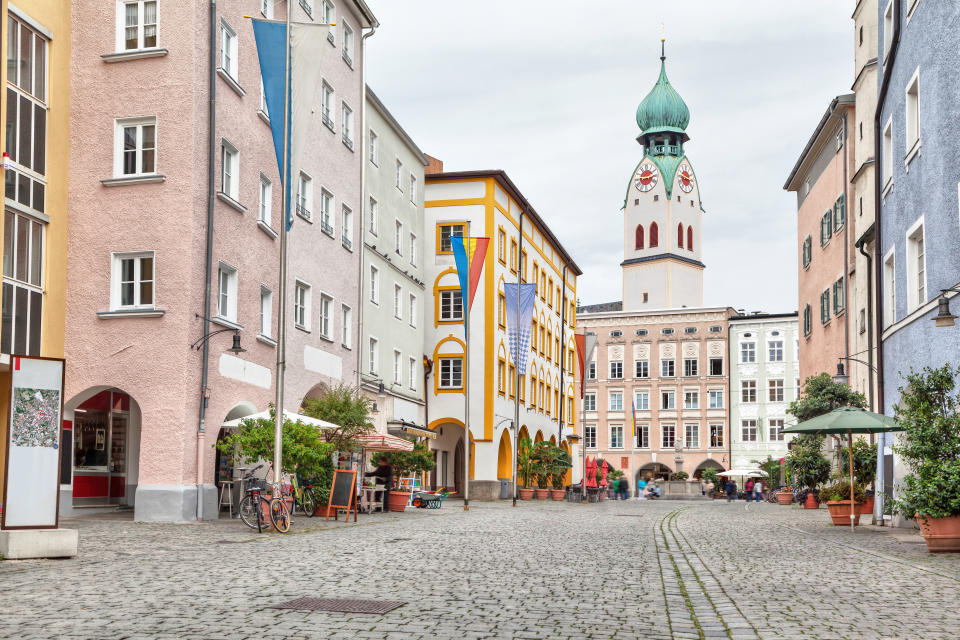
662,217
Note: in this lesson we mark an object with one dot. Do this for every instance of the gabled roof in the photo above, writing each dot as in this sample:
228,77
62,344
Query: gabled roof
816,140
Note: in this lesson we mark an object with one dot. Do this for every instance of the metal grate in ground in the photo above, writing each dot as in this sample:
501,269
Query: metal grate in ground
340,606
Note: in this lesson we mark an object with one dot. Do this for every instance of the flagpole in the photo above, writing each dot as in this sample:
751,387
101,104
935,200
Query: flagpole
516,388
466,403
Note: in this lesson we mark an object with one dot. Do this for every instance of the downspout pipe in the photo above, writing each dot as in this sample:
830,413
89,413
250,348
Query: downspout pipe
860,244
846,233
889,59
361,237
208,258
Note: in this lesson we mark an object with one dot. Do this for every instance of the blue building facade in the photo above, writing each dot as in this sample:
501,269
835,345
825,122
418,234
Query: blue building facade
918,170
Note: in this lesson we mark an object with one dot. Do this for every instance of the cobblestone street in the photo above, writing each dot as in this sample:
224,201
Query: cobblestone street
543,570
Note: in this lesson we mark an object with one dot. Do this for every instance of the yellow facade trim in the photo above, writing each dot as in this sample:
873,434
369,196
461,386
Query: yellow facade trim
437,354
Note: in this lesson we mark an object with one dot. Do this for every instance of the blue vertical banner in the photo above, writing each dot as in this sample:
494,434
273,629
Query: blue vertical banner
520,300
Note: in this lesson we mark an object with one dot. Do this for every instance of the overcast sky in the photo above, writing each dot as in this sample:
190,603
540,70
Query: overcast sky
548,91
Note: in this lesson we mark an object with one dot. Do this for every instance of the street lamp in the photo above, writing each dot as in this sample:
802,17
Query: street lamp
841,377
944,318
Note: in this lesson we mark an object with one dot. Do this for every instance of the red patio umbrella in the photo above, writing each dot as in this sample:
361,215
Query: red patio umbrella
591,474
603,474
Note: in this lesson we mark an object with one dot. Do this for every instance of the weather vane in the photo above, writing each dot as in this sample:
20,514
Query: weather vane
663,40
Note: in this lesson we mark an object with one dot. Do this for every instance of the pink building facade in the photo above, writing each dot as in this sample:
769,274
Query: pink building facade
138,249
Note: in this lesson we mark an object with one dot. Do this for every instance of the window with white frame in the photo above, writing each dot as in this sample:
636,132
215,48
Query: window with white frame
346,227
327,14
590,436
326,105
413,310
136,147
748,391
23,284
346,119
346,326
616,436
589,402
347,44
133,273
305,196
668,400
748,352
451,305
227,292
413,249
373,216
691,399
616,370
137,25
451,373
326,316
373,147
228,50
263,100
642,369
889,289
592,371
26,144
690,367
266,9
398,237
397,366
668,436
266,200
913,111
229,170
916,267
667,368
266,312
643,436
616,401
412,373
642,400
399,182
326,209
691,436
374,285
776,429
748,430
307,6
775,390
413,188
301,305
886,174
398,302
373,356
775,350
715,399
887,30
716,366
716,436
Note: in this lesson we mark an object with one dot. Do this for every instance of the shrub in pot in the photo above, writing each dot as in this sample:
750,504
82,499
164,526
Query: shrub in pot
525,468
930,447
864,468
807,466
561,463
679,475
418,461
837,497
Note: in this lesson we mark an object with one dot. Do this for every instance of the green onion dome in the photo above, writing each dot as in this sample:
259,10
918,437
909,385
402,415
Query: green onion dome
663,109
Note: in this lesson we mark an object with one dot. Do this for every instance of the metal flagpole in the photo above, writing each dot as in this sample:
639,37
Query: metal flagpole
466,401
583,435
516,394
282,311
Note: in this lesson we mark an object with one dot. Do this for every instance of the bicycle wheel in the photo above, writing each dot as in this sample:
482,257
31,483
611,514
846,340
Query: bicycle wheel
279,515
248,512
309,503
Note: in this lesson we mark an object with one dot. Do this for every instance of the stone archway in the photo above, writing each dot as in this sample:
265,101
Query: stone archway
505,457
707,464
656,470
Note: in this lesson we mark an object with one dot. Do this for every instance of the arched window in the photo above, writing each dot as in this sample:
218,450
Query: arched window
680,235
690,238
654,233
639,237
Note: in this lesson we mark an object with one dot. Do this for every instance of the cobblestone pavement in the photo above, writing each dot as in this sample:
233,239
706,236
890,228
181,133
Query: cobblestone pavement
632,569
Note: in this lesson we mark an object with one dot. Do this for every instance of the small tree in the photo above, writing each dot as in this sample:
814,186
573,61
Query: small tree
525,463
711,475
822,395
772,468
420,460
544,456
561,464
808,467
864,461
345,407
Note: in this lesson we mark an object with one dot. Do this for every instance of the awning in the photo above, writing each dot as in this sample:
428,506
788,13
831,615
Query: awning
292,417
384,442
397,427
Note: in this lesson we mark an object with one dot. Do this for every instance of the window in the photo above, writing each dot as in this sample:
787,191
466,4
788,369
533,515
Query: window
373,216
716,366
451,373
326,316
590,436
886,174
413,188
326,105
326,207
589,402
412,373
399,182
691,399
913,112
642,400
592,371
690,367
451,305
667,332
616,370
642,369
413,310
304,196
668,400
690,234
839,213
346,227
327,17
263,95
916,268
807,251
27,116
501,310
616,436
748,430
229,57
775,390
667,368
23,284
448,231
227,292
373,147
889,289
398,302
654,235
513,255
691,436
397,367
301,305
716,436
398,238
133,273
140,24
616,401
668,434
136,145
689,330
307,6
643,436
229,170
680,236
807,320
266,311
616,334
266,200
413,249
638,238
346,326
826,227
748,352
346,124
775,350
839,296
776,429
373,364
748,390
825,306
715,399
347,44
374,285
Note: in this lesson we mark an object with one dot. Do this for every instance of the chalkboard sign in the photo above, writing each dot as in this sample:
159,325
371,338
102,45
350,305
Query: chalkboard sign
343,493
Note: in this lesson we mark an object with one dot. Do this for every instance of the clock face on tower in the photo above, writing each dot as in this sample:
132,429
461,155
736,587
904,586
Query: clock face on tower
646,177
685,177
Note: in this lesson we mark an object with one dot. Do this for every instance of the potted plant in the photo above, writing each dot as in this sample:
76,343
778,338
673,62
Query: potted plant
679,475
930,447
864,468
525,468
561,463
807,498
543,458
837,497
808,467
420,460
711,475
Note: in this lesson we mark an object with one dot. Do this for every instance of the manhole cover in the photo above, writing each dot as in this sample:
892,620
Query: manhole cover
340,606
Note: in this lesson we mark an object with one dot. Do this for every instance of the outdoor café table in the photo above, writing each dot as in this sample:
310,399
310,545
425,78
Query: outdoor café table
369,501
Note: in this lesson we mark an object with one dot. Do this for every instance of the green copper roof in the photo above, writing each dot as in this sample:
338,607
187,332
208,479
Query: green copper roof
663,109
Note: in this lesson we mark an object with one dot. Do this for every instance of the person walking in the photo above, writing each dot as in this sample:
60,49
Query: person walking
624,488
758,490
384,474
641,488
731,489
748,489
710,488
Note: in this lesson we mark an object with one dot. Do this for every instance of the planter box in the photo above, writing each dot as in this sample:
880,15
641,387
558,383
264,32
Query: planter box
558,494
543,494
867,507
840,512
941,534
811,502
785,497
525,493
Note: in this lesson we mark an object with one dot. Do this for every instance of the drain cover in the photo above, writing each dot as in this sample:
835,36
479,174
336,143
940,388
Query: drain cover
340,606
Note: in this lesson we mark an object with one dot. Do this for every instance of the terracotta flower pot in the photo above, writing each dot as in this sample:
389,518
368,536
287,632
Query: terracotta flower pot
322,511
785,497
525,493
558,494
840,512
397,500
867,507
941,534
811,502
543,494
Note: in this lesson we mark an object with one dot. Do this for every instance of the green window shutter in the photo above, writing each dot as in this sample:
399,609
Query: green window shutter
836,308
841,214
829,216
806,320
838,303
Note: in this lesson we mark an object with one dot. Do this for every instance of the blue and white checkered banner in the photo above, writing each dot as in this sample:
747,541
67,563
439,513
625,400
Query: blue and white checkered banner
522,297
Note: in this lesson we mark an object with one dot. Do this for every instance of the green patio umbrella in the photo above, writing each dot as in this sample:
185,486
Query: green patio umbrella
848,420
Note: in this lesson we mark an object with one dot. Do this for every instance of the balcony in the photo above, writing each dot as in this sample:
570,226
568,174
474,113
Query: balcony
327,120
665,150
331,38
347,140
347,243
348,58
303,212
325,226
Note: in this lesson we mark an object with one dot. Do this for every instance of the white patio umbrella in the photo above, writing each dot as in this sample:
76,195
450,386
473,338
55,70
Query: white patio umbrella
744,473
292,417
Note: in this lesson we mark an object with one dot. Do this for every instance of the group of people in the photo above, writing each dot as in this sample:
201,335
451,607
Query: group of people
647,488
752,489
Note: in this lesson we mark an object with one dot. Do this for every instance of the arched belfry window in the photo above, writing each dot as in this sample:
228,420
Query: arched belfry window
638,241
690,238
680,235
654,235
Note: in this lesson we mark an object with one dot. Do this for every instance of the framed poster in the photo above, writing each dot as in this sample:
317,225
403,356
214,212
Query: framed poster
31,489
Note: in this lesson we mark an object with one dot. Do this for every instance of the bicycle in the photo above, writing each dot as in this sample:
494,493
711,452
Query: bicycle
303,497
252,511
